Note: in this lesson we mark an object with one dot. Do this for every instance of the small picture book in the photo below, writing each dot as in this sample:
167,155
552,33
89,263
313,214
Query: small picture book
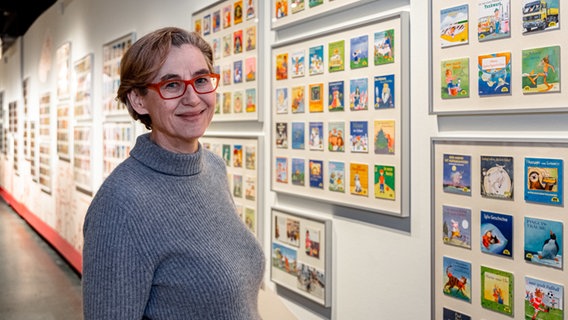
457,279
385,182
543,299
359,179
298,135
282,135
384,135
336,98
298,172
282,66
544,242
316,60
496,233
316,135
384,47
358,94
456,226
540,15
316,174
494,74
336,136
384,91
316,97
457,174
297,61
298,99
497,177
493,19
359,136
336,56
359,52
541,70
449,314
455,78
497,290
544,180
336,176
454,26
282,169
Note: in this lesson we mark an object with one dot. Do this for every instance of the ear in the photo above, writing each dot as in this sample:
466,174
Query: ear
137,102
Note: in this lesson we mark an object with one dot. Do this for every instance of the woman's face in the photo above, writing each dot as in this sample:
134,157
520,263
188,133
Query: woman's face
178,123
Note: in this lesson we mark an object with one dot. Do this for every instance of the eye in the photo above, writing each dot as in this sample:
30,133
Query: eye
202,81
172,85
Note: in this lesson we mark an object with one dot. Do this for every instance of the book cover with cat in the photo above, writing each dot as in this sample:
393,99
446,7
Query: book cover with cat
497,290
297,60
358,94
336,171
316,136
281,169
281,135
544,242
493,20
298,172
384,47
316,174
494,74
359,52
544,180
316,61
336,96
457,174
497,177
454,26
541,70
316,97
359,136
384,136
496,233
456,226
298,99
282,66
457,278
336,55
455,78
449,314
384,91
385,182
298,133
359,179
543,299
336,136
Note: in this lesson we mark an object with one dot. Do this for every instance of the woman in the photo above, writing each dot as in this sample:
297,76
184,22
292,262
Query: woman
162,236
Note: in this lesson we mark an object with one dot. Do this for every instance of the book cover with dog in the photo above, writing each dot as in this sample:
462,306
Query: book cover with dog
544,180
497,290
359,179
457,279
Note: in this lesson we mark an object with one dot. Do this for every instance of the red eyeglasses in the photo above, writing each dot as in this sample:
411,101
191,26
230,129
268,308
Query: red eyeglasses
172,89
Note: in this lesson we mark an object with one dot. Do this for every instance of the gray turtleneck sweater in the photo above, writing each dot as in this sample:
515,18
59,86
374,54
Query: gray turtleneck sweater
163,241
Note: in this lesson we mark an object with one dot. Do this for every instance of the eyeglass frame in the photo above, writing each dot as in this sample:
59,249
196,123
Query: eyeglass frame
156,86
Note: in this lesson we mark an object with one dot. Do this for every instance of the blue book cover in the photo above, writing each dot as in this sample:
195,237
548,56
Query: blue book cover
496,233
282,169
456,226
544,180
384,91
336,96
457,279
457,174
359,52
298,132
316,136
544,242
449,314
336,176
358,94
494,72
359,133
298,172
316,60
316,174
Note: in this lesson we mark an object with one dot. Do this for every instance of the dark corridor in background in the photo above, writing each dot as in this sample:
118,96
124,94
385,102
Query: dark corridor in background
16,16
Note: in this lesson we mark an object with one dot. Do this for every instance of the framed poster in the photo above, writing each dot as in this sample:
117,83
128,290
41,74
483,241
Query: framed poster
63,68
63,130
300,255
112,54
497,56
82,158
118,140
13,129
83,102
340,124
498,215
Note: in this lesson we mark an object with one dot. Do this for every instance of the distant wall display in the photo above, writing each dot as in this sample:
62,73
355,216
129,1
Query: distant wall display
340,116
82,158
63,127
232,28
44,142
63,68
300,255
112,54
498,56
241,156
498,215
118,139
83,102
3,131
13,129
28,145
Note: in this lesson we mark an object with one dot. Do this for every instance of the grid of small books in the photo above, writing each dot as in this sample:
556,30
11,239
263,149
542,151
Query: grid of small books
498,238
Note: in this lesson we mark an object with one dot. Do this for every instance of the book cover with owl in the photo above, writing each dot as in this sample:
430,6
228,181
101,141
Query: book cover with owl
544,180
449,314
497,177
385,182
358,94
359,136
336,136
496,233
297,60
281,169
455,78
384,136
316,61
456,226
316,136
384,91
298,172
316,97
494,71
457,174
493,20
497,290
359,179
457,278
454,26
544,242
543,299
336,55
384,47
298,99
336,98
359,57
282,66
541,70
336,171
316,174
298,135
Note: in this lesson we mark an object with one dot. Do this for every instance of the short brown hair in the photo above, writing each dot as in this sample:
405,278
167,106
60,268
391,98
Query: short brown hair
145,57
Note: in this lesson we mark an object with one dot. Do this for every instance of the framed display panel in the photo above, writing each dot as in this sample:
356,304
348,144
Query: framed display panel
300,255
340,116
63,69
63,127
498,213
45,173
13,129
83,102
234,28
287,12
33,152
242,157
498,56
82,158
45,116
3,131
27,121
112,54
118,139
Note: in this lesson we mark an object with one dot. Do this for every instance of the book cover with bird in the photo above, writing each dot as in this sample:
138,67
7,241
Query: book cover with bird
544,242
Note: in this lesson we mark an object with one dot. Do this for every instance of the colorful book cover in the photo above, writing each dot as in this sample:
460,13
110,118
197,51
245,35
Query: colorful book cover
281,7
543,299
449,314
540,15
359,179
250,157
494,72
207,25
385,182
454,26
359,52
227,45
238,11
316,174
281,135
544,242
336,176
455,78
250,219
544,179
282,66
298,99
316,97
250,68
282,169
227,102
497,290
316,60
384,135
541,70
197,26
298,64
456,226
314,3
336,136
251,11
284,258
497,177
250,38
238,156
457,174
457,279
227,154
298,172
358,94
384,91
250,188
384,47
238,101
493,19
316,136
216,20
227,18
496,233
305,280
227,75
312,243
282,100
237,186
336,96
251,100
336,56
359,134
297,5
298,135
238,41
216,46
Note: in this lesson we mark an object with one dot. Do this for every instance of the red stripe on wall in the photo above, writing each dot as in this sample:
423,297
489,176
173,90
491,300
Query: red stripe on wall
64,248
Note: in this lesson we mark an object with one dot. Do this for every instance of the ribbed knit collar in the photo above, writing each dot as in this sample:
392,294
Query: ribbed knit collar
178,164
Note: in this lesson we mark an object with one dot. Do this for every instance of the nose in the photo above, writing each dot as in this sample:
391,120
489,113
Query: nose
190,97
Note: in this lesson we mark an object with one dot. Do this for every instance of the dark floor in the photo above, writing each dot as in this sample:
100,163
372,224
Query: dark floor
35,282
